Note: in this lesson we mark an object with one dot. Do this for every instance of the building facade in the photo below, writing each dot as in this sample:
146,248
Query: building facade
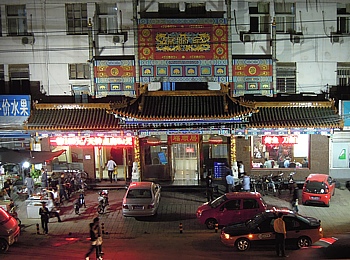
113,49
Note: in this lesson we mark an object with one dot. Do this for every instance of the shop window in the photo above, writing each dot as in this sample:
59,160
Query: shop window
16,20
277,149
286,77
285,17
259,17
77,21
79,71
107,18
343,18
156,155
343,74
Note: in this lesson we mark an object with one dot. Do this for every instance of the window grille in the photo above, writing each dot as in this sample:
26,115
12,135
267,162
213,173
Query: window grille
343,74
286,77
169,8
77,21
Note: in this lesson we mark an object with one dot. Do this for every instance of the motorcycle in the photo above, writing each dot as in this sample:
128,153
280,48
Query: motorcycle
13,213
102,201
80,202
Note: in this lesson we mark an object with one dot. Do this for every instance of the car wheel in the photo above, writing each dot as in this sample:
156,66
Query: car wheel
211,222
242,244
303,242
4,246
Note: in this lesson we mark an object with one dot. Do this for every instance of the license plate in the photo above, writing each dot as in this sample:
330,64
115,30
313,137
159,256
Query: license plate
315,198
138,207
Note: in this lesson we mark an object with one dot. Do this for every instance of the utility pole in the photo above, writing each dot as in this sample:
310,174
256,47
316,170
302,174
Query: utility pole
274,58
91,58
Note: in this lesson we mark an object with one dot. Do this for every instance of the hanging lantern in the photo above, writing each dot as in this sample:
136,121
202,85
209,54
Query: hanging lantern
215,139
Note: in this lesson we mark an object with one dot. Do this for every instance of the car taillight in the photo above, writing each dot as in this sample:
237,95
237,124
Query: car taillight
125,206
199,212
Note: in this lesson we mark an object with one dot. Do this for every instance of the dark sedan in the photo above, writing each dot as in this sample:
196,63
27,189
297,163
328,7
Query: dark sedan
301,231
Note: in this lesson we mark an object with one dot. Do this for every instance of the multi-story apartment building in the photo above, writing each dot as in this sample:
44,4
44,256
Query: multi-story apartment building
110,48
64,48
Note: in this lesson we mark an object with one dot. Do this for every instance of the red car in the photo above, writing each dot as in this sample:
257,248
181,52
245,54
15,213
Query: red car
230,208
318,189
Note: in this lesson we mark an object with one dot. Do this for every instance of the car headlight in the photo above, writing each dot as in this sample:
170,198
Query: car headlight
226,236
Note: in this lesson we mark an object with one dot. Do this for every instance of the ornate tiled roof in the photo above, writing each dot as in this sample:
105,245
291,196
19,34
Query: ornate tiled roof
183,105
71,117
315,114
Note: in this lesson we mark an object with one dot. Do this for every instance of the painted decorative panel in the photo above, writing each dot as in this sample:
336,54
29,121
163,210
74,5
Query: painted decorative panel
183,50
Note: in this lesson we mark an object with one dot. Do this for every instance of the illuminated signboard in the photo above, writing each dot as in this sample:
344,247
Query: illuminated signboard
92,141
183,139
277,140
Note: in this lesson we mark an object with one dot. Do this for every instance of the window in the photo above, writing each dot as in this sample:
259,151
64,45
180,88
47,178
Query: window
195,8
279,148
2,79
259,17
343,74
168,8
16,20
285,17
107,18
250,204
19,79
233,205
0,23
343,18
77,22
79,71
286,77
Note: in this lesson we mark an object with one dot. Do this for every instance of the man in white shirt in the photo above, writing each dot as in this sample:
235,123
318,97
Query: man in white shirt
110,168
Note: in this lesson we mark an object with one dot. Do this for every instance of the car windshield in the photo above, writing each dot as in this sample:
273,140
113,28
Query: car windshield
217,202
316,187
256,220
139,193
4,216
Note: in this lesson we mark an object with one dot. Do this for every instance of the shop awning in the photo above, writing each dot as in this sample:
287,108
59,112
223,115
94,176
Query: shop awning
21,156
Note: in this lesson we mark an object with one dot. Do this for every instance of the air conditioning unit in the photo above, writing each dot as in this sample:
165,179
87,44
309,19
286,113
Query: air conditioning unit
28,40
336,38
247,37
119,38
297,38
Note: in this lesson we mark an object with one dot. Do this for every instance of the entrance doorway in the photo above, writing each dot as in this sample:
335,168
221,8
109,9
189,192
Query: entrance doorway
185,161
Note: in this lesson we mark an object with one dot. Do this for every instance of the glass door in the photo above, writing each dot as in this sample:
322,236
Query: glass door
185,161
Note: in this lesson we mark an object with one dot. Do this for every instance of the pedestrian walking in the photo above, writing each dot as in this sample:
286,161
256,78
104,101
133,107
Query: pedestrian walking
246,182
29,182
279,227
43,178
44,216
99,242
209,182
296,206
93,246
111,165
62,189
230,182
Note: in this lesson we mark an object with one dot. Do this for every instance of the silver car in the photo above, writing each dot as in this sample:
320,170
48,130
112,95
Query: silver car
141,199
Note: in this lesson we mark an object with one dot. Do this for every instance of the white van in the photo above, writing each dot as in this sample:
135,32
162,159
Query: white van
9,230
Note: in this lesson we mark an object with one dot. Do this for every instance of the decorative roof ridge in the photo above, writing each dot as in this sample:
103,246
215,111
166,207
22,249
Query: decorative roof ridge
185,93
71,106
325,104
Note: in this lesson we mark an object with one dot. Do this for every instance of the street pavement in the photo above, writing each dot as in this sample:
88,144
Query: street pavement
176,207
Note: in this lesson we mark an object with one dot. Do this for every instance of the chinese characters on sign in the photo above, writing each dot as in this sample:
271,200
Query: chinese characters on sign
15,106
183,41
184,139
276,140
92,141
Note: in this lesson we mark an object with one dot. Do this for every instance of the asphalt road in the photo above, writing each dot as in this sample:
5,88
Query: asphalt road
159,237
